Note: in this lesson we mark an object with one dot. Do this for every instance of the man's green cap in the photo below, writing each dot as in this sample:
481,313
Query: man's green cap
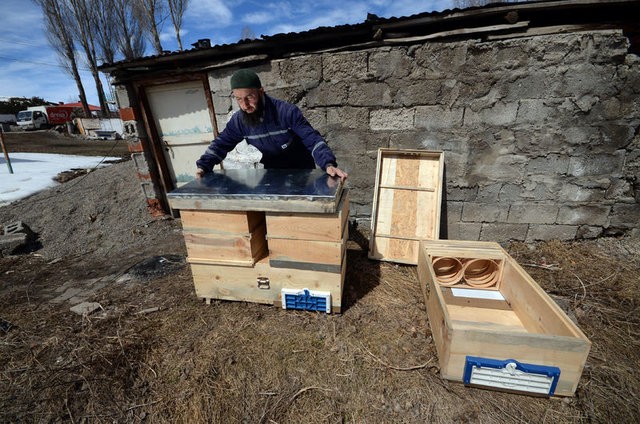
245,78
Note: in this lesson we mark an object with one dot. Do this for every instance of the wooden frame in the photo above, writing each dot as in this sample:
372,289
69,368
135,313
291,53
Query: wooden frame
406,203
527,325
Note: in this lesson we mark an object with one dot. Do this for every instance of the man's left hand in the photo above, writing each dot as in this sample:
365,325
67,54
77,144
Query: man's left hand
336,172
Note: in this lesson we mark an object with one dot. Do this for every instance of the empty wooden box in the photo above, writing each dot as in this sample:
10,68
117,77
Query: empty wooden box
493,325
309,241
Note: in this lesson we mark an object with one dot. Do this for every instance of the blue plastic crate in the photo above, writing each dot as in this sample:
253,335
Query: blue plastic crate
306,300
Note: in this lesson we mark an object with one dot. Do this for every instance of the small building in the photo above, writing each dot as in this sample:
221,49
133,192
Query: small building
535,106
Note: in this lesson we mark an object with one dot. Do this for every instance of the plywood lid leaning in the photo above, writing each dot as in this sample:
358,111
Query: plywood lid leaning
406,203
270,190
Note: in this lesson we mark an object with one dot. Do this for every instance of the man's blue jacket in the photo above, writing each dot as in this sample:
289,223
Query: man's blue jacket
285,138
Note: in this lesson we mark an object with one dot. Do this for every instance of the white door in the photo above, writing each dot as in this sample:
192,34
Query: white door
183,122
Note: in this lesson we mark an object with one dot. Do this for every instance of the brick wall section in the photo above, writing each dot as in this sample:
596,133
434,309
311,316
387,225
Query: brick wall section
540,134
133,133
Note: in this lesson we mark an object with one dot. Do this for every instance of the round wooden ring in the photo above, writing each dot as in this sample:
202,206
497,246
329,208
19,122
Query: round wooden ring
448,270
481,273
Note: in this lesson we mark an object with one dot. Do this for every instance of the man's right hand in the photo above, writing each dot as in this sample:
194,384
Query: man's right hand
199,173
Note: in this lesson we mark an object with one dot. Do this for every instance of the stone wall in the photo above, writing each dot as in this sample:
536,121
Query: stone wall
540,134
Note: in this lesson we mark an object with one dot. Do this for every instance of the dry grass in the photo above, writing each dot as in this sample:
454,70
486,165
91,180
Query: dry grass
239,362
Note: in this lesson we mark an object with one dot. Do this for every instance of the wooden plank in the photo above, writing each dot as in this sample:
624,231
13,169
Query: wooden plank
469,317
566,353
537,310
223,222
311,226
234,283
439,320
395,250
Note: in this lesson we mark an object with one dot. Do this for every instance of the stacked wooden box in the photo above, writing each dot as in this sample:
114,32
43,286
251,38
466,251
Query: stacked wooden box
224,238
276,248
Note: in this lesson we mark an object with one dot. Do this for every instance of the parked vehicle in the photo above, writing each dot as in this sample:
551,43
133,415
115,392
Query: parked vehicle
6,120
37,117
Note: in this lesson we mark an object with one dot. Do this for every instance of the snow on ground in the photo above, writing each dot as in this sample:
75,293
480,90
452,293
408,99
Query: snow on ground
33,172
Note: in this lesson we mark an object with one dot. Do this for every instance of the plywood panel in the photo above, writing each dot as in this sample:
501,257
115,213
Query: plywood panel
406,206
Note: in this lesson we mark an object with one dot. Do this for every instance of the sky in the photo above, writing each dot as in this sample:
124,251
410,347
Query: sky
34,172
30,67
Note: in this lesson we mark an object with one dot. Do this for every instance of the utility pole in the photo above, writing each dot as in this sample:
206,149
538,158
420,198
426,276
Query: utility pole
4,150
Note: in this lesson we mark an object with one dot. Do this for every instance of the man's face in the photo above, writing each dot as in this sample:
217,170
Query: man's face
248,98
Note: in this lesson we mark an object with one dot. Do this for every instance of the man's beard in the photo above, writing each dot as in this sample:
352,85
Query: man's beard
255,118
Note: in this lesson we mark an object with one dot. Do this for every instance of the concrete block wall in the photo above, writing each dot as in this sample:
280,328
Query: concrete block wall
540,134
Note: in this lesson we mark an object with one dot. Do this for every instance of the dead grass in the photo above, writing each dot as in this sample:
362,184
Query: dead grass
240,362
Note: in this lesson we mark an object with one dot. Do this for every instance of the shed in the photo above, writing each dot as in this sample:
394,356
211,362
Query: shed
535,106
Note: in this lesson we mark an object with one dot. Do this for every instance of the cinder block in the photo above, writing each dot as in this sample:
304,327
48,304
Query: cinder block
551,232
463,231
587,215
17,227
502,232
484,212
533,214
140,163
11,242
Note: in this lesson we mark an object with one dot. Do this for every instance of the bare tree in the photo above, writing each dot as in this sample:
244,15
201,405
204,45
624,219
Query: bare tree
153,16
130,34
85,20
57,17
176,11
106,29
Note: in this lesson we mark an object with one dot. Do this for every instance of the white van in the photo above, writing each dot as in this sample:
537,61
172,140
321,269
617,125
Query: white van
32,119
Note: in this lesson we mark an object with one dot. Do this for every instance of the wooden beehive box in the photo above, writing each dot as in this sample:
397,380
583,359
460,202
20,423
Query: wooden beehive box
226,217
309,241
509,336
224,237
406,203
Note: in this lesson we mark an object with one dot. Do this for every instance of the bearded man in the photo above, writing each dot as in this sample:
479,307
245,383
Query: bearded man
276,128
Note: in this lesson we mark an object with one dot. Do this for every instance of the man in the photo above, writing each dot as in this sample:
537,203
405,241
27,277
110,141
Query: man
276,128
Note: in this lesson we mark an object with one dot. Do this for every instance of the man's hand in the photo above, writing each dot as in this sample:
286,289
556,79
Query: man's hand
199,173
336,172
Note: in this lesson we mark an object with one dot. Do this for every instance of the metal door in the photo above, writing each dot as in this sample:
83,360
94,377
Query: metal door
183,123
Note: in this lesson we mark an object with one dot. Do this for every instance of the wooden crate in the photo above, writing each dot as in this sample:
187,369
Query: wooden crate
406,203
520,322
224,237
309,241
263,283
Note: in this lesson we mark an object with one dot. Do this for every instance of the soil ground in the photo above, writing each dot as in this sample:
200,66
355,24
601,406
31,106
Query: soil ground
154,352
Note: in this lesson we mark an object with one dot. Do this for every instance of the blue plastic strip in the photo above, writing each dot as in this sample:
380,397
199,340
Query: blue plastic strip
548,371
